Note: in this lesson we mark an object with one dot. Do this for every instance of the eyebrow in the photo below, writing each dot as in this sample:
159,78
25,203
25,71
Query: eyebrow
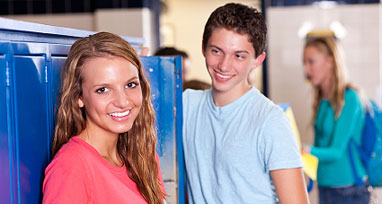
237,51
216,47
106,84
242,51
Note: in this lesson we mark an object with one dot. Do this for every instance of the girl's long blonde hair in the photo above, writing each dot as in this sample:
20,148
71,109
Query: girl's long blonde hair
339,83
137,146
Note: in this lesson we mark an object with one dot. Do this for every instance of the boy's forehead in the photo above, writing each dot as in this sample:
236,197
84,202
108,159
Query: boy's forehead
230,38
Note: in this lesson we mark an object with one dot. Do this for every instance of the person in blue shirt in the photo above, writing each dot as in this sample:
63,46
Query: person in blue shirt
338,118
239,146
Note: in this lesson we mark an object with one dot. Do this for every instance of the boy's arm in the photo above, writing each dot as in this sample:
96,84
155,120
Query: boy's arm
290,186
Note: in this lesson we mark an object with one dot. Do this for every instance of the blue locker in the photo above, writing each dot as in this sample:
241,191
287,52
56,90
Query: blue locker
30,66
5,169
30,121
164,82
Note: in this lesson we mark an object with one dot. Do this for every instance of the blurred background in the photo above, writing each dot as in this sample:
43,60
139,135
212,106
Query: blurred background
179,23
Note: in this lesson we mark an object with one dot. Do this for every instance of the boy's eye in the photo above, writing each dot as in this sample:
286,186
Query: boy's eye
240,56
102,90
215,51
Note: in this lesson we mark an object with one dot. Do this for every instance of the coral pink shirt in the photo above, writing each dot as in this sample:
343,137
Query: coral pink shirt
79,174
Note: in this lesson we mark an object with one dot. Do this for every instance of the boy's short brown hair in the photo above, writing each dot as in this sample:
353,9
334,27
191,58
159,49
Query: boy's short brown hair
241,19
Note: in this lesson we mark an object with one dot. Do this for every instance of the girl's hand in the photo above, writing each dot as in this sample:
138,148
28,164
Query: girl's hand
305,149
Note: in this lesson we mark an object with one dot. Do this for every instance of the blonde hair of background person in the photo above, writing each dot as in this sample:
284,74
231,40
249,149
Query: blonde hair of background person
338,81
136,147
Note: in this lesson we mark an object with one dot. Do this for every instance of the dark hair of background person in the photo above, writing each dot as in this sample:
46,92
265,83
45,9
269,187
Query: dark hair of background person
170,51
196,84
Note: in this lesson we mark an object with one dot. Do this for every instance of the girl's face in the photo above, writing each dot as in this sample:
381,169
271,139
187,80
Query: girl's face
317,66
111,94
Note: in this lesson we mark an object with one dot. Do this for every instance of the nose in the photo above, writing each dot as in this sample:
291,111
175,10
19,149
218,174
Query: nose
225,63
306,70
121,99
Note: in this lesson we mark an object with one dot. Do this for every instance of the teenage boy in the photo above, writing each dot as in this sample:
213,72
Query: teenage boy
239,146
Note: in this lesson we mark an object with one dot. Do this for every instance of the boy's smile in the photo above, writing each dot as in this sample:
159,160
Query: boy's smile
229,58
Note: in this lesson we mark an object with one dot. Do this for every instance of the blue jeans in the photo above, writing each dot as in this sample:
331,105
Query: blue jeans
347,195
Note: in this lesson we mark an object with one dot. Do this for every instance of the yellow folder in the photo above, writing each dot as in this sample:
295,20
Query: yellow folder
310,161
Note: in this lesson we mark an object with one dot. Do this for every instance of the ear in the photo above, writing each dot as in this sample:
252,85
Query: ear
80,103
259,60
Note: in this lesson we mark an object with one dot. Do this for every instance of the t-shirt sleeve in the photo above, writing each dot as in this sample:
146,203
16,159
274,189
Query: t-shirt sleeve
185,97
185,108
279,145
66,181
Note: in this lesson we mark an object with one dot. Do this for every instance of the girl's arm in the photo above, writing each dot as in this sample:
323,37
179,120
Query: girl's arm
345,126
290,186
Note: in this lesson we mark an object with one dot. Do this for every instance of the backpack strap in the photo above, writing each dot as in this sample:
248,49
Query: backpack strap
358,181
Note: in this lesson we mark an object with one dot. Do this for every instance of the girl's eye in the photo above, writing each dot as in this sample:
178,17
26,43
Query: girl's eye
308,62
102,90
132,85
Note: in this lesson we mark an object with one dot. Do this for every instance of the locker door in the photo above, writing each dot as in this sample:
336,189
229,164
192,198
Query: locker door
31,123
166,89
5,170
58,57
57,64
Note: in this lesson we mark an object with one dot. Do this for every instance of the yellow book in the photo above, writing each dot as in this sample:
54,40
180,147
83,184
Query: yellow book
310,162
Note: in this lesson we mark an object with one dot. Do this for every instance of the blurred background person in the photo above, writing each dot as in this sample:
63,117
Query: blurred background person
338,117
196,84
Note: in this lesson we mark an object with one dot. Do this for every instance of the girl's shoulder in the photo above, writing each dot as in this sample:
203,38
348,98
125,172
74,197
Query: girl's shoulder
351,94
73,153
353,98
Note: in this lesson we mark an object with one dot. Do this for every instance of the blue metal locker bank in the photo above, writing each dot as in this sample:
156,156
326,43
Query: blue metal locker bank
31,57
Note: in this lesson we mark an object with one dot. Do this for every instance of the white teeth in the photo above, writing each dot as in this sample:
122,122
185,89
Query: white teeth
223,76
120,114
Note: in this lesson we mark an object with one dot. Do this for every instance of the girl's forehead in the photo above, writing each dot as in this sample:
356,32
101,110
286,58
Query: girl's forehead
108,69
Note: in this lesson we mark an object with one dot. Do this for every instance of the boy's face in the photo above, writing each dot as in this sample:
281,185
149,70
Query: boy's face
229,58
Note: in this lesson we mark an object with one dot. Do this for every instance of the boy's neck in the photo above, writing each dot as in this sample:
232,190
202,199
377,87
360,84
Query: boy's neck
224,98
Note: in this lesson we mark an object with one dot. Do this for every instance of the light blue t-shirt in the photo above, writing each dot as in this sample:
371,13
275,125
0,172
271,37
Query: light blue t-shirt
230,150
